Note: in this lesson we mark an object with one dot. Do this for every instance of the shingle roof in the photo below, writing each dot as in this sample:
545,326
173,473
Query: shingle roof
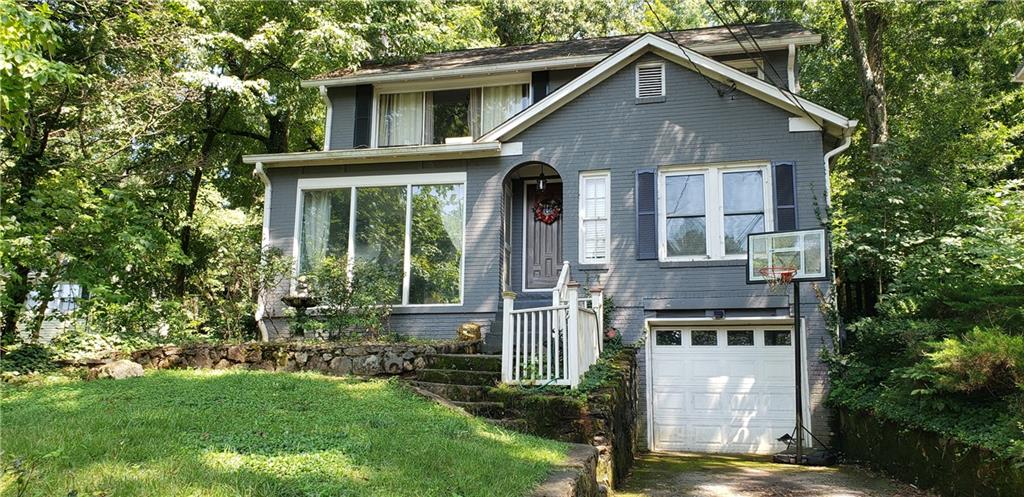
692,38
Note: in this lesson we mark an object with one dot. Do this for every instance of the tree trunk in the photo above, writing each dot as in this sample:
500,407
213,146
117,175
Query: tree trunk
209,140
277,136
870,69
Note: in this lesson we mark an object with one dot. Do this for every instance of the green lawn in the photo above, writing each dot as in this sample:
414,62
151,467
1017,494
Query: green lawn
213,433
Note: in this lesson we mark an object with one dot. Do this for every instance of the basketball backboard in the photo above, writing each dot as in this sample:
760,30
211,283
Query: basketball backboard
806,251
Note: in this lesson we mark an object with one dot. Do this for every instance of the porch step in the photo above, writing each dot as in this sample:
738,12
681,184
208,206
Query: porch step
467,362
459,376
455,393
483,409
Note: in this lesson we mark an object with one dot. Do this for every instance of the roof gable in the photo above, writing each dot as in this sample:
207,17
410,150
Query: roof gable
832,122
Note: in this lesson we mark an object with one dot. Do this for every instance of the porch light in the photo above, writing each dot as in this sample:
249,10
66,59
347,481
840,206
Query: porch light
542,182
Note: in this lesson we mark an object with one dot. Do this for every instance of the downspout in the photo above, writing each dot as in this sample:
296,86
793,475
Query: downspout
261,305
845,144
328,121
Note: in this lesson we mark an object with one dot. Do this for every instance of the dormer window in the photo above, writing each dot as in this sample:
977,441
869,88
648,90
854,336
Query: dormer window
455,115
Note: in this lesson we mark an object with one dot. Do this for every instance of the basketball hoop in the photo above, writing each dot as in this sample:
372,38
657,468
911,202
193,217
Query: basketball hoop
776,276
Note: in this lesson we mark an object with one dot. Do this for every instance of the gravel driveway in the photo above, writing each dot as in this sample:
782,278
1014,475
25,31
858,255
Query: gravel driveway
706,475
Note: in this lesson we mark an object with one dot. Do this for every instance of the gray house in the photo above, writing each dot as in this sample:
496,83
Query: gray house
502,184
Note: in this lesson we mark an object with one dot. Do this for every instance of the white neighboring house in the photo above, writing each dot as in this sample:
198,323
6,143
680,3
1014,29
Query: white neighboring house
1019,75
58,311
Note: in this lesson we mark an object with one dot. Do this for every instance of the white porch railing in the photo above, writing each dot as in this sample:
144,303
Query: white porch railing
555,344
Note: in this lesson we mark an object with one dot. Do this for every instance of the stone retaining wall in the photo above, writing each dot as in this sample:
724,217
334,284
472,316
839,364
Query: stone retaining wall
927,459
606,419
333,358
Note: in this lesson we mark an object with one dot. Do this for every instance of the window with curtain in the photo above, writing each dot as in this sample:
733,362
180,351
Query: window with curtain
414,228
595,213
324,230
400,119
437,117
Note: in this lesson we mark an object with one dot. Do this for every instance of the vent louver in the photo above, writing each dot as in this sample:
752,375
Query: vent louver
650,81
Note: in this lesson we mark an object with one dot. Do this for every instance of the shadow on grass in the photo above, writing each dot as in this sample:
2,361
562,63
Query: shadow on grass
254,433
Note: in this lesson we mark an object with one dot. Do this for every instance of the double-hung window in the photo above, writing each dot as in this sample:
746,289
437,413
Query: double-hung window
409,227
707,212
595,216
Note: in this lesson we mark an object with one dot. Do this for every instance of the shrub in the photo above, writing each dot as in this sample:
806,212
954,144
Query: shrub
360,306
28,358
983,361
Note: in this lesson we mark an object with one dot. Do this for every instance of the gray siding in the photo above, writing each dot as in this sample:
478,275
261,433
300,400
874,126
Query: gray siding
343,118
606,129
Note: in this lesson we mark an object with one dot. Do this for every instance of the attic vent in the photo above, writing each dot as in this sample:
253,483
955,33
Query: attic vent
650,80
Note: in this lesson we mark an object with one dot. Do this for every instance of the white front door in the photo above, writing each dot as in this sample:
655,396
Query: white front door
722,389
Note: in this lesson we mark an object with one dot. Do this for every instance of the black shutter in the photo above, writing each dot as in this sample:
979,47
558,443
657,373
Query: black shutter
364,109
539,82
646,214
785,195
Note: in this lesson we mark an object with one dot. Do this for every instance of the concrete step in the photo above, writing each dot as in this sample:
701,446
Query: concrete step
467,362
459,377
514,424
455,393
484,409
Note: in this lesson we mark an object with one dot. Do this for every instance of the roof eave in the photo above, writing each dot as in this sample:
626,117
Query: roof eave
553,63
473,150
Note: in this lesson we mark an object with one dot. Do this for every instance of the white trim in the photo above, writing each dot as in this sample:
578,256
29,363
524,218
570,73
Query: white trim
651,324
794,84
329,119
636,76
606,175
553,63
453,84
387,154
526,212
711,68
714,206
355,182
801,124
261,305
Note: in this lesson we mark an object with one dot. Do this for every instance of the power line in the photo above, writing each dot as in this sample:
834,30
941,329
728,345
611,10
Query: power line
683,49
790,96
786,90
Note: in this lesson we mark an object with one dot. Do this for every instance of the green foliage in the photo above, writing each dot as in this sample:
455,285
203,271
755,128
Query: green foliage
985,361
348,307
27,358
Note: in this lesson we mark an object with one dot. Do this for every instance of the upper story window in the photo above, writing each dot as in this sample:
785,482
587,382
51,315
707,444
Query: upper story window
446,116
707,212
750,67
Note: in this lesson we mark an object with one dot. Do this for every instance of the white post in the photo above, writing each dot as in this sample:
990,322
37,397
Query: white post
572,290
508,299
597,304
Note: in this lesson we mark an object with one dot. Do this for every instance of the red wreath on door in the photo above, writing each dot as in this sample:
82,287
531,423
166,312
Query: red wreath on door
547,211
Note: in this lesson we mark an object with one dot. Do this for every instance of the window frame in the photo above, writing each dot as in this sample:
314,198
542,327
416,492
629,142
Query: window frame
714,207
636,80
356,182
432,86
607,218
744,65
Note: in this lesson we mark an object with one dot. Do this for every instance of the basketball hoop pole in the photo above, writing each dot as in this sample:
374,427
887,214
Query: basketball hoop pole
798,370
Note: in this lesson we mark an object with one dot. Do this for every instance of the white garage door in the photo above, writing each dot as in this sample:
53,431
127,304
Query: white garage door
722,390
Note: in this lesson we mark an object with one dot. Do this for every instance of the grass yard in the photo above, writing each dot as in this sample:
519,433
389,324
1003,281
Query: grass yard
218,433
